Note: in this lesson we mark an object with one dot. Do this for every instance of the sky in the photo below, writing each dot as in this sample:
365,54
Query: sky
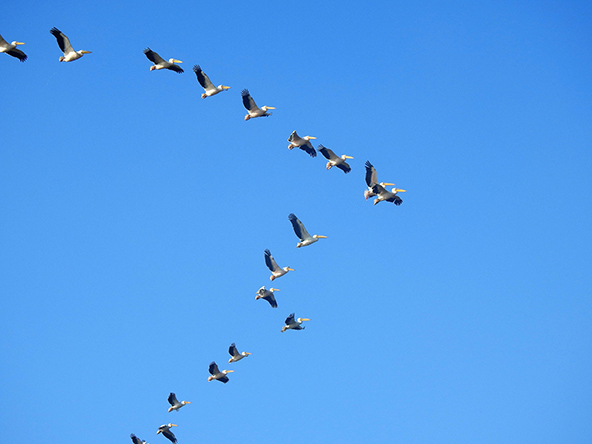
134,216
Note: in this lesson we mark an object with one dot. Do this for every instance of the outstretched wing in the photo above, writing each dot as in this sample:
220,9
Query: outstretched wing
214,370
270,262
18,54
290,319
232,350
396,200
202,78
176,68
223,379
135,439
293,136
298,227
173,399
248,101
170,436
309,149
344,166
370,174
271,299
153,56
327,153
63,41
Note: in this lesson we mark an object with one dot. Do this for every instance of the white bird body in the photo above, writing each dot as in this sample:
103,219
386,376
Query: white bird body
236,356
206,84
300,231
160,63
275,269
388,196
252,108
302,142
335,160
217,374
64,43
175,404
294,324
371,180
165,430
12,50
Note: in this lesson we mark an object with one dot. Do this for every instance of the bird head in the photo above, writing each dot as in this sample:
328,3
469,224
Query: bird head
171,60
344,157
288,269
397,190
18,43
223,88
318,236
274,289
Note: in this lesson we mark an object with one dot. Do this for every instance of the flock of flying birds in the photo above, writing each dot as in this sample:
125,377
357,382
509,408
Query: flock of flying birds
375,189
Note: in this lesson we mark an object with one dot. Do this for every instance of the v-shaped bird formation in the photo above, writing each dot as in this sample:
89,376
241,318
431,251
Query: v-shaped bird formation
375,189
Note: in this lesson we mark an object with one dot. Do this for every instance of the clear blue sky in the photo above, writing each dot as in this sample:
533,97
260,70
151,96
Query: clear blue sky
134,216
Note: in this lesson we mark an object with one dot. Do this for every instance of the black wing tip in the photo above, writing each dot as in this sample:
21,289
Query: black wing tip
368,164
292,216
273,304
232,345
55,31
245,92
147,50
196,68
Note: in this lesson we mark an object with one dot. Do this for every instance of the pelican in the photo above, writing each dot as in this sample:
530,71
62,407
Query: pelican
276,271
389,196
302,142
160,63
175,404
334,160
252,108
137,440
294,324
206,84
236,356
305,238
371,180
262,293
165,430
217,374
64,44
12,50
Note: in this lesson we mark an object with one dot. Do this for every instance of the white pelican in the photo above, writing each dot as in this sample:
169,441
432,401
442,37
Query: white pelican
217,374
305,238
160,63
165,430
262,293
371,180
12,50
276,271
66,47
294,324
175,404
389,196
252,108
206,84
236,356
334,160
302,142
137,440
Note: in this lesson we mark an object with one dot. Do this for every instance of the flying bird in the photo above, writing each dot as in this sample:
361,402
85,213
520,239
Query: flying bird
175,404
305,238
137,440
252,108
160,63
371,180
217,374
294,324
262,293
165,430
276,271
12,50
236,356
388,196
334,160
64,44
302,142
206,84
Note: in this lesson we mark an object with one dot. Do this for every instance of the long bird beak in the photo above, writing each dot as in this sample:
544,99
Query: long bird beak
86,52
177,61
388,183
19,43
248,353
347,157
225,87
291,269
187,402
304,319
322,237
173,425
229,371
274,289
311,137
398,190
270,107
